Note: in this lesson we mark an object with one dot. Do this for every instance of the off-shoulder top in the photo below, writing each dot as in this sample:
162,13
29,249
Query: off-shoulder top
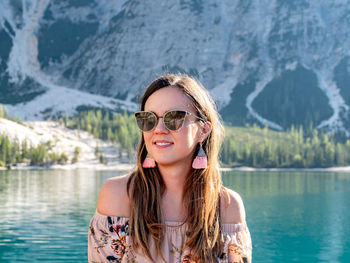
108,241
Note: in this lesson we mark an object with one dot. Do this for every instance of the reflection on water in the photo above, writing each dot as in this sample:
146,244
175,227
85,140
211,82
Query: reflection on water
296,217
45,214
255,184
293,217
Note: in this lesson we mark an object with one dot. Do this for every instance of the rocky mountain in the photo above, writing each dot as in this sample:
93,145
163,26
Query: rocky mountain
273,62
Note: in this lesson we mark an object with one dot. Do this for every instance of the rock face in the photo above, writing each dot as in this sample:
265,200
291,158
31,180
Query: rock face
64,140
274,62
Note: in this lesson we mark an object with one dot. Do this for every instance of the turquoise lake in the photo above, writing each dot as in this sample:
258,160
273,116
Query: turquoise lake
292,216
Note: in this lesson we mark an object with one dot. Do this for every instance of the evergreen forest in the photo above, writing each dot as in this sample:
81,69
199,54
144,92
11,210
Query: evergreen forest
252,146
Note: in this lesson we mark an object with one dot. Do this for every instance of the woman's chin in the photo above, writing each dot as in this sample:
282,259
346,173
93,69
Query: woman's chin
170,162
165,163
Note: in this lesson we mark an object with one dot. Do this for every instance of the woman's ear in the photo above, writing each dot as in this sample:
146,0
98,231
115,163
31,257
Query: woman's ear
205,130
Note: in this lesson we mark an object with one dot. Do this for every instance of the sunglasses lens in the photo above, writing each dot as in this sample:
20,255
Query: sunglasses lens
174,120
146,120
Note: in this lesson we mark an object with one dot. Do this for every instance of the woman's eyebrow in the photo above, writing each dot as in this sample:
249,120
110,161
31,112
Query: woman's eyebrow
167,111
153,112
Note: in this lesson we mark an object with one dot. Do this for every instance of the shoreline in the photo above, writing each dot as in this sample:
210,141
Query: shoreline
252,169
64,140
92,166
132,166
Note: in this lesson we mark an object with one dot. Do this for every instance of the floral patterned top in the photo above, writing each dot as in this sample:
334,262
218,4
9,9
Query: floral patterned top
109,241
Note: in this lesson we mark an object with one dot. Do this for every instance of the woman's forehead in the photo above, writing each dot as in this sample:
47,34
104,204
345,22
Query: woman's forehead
168,98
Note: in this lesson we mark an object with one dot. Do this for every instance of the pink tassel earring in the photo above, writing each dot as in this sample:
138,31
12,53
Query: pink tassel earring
148,162
201,160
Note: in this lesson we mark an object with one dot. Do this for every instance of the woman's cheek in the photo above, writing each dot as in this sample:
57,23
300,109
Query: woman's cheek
147,139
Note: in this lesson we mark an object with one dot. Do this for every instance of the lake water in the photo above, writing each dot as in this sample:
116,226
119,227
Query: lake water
292,216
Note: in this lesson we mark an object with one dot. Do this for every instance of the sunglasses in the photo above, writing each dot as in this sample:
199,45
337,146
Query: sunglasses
173,120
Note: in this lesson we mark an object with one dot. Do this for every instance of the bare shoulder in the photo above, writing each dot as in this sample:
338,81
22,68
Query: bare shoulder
232,207
113,199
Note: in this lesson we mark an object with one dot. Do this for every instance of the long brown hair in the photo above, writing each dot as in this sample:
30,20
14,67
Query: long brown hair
202,187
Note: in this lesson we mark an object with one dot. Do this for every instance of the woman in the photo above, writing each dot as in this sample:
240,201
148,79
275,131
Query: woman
173,207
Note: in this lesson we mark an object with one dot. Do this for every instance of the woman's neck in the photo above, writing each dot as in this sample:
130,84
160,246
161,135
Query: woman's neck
172,200
174,177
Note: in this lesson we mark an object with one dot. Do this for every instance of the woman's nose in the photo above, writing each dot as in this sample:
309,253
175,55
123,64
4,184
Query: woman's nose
160,127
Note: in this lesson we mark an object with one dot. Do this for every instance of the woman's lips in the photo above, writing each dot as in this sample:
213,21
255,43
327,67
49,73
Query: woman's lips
162,144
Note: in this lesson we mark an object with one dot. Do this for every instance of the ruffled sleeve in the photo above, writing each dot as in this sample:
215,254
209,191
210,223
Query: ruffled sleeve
238,243
108,238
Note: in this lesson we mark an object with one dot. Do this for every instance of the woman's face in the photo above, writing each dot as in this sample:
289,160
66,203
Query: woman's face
172,147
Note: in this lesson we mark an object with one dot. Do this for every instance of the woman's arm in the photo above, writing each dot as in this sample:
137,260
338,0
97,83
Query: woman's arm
108,237
238,243
113,199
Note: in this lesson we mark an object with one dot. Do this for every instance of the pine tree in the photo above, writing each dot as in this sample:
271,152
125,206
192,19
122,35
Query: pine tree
110,135
5,113
24,149
66,120
8,146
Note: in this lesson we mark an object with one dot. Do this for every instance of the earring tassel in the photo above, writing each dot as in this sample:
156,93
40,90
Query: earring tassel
200,163
148,162
201,160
